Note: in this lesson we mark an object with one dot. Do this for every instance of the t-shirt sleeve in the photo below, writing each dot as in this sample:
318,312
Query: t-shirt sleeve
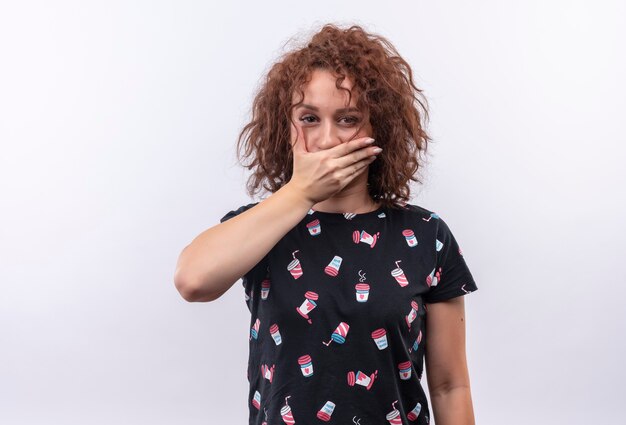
253,278
451,277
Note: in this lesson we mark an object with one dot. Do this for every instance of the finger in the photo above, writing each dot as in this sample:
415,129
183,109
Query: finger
344,149
357,168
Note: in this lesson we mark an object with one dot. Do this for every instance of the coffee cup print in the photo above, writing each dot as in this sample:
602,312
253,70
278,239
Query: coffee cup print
314,227
339,335
380,338
254,331
286,414
412,314
294,267
326,411
416,344
405,370
308,305
365,237
413,414
265,288
332,269
394,416
398,274
411,240
306,365
438,245
268,372
433,278
362,292
275,334
362,379
362,288
256,400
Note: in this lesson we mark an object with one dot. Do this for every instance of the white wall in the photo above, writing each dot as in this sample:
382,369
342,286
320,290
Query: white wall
117,126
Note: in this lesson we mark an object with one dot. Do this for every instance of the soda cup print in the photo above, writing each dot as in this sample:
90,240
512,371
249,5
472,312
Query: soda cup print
394,416
268,372
285,413
254,331
362,292
314,227
362,379
438,245
332,269
339,335
306,366
326,411
380,338
412,314
294,267
308,305
434,277
256,400
405,370
411,240
413,414
398,274
416,344
365,237
265,288
275,334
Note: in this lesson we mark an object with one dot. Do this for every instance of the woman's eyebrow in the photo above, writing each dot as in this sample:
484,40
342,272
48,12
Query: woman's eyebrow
341,110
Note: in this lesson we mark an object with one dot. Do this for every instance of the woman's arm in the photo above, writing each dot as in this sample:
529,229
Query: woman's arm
446,365
220,255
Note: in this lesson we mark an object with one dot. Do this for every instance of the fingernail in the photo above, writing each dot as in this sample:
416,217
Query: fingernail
370,140
378,150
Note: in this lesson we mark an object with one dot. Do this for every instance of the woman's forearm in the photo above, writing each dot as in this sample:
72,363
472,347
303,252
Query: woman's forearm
453,407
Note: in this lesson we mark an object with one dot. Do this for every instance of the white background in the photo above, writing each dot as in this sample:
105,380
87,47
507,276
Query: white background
118,123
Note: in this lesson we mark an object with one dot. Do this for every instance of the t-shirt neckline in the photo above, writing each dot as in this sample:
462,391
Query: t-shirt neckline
339,216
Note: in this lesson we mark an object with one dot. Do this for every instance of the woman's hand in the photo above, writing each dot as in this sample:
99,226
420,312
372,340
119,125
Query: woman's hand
319,175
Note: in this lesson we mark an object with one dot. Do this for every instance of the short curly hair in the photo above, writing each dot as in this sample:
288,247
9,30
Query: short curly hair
385,91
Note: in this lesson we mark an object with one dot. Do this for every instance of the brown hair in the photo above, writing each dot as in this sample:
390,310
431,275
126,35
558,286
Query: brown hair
385,91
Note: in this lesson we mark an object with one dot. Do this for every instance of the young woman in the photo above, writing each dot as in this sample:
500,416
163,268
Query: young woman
349,286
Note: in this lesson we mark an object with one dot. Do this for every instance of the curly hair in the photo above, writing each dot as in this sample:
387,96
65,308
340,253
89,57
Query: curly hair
385,91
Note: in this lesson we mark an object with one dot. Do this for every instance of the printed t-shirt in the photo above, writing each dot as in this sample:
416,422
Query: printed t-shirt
338,312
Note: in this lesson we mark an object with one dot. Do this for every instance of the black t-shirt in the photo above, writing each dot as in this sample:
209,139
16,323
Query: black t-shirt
338,312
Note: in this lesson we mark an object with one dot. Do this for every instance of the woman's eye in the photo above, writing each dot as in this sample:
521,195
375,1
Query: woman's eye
305,118
351,119
347,119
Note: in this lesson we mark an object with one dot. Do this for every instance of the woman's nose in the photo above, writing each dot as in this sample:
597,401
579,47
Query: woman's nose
328,138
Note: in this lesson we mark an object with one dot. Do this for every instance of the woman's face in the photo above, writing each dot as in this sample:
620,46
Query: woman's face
323,118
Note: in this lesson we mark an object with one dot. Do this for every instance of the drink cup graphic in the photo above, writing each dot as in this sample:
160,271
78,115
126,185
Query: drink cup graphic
326,411
362,292
413,414
254,331
256,400
438,245
416,344
311,211
265,288
398,274
411,240
308,305
365,237
306,366
434,277
294,267
285,413
394,416
332,269
412,314
380,338
362,379
275,334
405,370
339,335
314,227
